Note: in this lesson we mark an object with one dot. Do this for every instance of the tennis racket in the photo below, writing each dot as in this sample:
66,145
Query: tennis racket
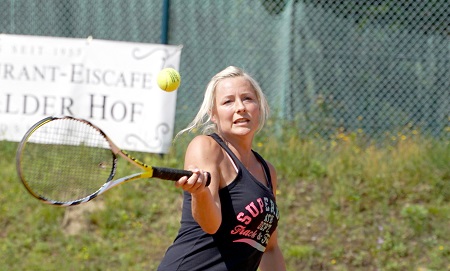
66,161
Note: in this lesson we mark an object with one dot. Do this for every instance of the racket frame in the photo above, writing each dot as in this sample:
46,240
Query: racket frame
149,171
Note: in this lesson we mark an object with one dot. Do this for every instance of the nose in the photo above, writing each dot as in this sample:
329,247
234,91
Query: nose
240,107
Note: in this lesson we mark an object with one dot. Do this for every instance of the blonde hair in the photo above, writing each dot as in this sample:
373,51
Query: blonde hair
202,120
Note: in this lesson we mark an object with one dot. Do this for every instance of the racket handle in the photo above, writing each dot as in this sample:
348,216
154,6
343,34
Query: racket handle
175,174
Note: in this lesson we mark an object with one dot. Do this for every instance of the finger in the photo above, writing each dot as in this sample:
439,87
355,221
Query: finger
206,175
201,180
181,182
194,177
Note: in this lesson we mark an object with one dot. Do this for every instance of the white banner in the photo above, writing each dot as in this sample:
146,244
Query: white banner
110,83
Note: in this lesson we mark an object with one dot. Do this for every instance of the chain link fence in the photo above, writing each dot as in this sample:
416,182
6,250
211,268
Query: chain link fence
376,66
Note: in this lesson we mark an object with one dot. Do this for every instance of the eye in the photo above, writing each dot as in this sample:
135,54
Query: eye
248,98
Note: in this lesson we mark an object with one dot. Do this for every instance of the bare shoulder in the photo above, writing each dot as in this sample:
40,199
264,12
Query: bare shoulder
205,148
202,140
273,174
272,169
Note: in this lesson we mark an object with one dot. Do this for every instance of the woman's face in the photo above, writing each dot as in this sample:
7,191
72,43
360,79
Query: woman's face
236,108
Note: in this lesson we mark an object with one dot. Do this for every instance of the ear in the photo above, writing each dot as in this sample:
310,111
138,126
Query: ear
212,116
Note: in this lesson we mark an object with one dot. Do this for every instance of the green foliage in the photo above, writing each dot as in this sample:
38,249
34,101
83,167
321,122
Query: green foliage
346,204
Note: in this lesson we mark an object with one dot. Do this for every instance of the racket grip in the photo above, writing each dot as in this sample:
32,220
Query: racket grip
175,174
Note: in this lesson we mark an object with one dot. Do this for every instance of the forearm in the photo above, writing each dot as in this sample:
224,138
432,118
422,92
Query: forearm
272,260
206,212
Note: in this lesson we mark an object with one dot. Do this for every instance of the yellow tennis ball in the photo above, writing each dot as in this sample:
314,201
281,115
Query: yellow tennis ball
168,79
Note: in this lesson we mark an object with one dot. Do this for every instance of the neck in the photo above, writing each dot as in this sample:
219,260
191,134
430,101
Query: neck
241,146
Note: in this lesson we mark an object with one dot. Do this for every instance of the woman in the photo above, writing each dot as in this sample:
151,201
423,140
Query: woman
230,224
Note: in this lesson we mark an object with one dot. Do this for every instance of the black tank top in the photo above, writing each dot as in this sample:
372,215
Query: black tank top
249,217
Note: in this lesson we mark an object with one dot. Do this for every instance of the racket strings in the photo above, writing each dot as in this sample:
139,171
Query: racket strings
70,160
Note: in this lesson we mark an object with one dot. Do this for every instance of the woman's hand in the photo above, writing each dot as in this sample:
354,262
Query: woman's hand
194,184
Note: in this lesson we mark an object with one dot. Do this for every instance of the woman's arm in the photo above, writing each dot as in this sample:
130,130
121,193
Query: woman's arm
273,259
202,156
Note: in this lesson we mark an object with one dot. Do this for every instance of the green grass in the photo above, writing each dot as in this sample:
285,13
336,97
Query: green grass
92,169
345,204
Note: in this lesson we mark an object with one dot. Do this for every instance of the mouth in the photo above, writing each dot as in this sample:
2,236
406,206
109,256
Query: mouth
241,121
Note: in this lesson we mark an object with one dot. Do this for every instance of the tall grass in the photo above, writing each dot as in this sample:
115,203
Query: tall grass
360,205
346,204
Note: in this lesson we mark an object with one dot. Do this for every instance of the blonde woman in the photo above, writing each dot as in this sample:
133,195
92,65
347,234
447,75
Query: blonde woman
231,224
